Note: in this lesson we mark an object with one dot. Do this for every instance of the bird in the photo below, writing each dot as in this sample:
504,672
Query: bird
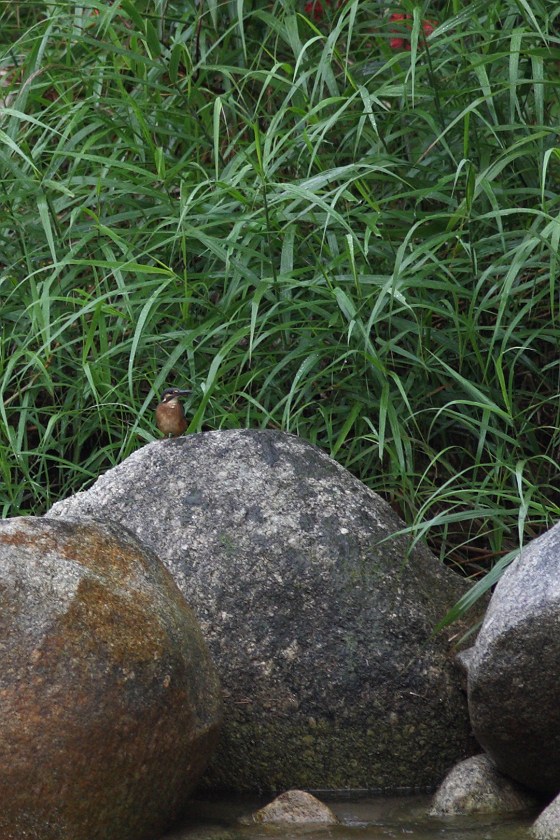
170,415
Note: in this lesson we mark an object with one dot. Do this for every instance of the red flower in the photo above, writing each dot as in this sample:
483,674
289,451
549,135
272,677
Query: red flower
314,8
397,43
400,43
428,26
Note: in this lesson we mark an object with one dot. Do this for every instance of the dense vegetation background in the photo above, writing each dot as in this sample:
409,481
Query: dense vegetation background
342,221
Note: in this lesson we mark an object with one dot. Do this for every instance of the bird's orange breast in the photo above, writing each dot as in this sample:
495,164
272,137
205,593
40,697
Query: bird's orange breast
170,418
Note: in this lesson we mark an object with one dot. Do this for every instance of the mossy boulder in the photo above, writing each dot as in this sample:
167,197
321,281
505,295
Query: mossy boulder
109,702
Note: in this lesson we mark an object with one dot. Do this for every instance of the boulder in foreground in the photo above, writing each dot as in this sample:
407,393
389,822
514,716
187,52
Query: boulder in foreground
514,669
110,706
318,614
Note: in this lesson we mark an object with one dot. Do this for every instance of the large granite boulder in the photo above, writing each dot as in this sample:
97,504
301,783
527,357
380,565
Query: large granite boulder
514,669
318,614
109,703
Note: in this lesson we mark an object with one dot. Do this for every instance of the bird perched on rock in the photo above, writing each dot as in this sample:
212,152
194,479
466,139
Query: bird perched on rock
170,415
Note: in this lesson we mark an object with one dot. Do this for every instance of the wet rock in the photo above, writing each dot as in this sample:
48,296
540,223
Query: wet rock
475,786
109,702
463,659
294,806
513,672
547,825
320,619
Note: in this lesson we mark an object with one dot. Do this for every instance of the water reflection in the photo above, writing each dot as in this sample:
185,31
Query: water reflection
365,818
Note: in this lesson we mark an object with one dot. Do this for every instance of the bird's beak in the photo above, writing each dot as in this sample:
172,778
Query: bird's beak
183,392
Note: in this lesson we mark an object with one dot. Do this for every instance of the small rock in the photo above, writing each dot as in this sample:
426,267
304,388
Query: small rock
294,806
475,786
547,826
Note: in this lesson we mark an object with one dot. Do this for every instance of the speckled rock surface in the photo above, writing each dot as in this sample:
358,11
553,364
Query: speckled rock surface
547,825
514,672
109,703
319,620
294,807
475,786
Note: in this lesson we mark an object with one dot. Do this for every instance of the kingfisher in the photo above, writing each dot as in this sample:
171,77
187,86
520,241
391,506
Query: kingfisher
170,414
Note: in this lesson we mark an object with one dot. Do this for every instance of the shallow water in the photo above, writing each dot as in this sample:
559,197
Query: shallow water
363,818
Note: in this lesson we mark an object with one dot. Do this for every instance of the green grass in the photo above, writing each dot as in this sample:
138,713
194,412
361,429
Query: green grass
325,235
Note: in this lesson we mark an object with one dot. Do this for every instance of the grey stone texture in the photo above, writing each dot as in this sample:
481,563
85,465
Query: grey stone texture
514,671
475,786
109,703
547,825
294,807
319,616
